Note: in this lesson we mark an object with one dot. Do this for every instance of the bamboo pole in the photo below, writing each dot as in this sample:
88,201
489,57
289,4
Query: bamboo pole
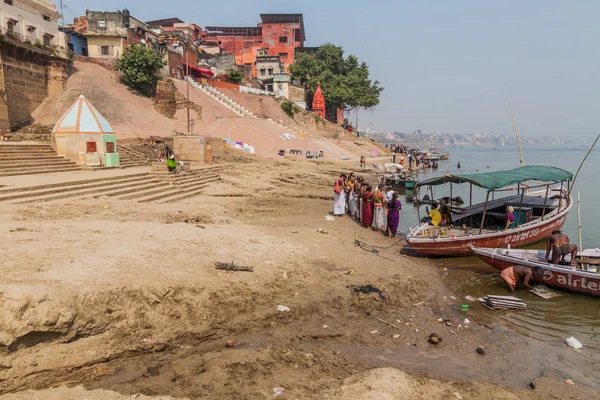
470,194
545,201
579,220
484,212
581,165
520,208
522,161
561,196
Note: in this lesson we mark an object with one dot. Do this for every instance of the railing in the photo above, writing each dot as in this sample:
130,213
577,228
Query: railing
57,51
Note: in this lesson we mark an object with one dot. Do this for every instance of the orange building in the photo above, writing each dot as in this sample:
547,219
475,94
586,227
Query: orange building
276,35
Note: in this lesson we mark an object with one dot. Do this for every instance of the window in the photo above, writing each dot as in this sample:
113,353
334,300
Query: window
283,39
104,50
91,147
47,40
101,23
283,56
10,26
9,2
270,71
110,147
263,72
46,18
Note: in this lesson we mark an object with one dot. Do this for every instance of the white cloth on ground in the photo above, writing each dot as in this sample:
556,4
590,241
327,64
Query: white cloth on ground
339,203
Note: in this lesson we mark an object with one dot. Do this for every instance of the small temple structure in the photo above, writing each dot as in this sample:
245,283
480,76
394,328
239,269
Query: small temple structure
83,135
318,104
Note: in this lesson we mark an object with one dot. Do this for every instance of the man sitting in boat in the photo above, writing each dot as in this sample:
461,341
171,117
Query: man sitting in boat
559,247
510,217
512,275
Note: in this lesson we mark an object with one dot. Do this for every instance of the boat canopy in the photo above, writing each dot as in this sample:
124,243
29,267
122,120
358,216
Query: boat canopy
499,179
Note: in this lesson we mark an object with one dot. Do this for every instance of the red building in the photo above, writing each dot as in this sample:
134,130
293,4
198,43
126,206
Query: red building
276,35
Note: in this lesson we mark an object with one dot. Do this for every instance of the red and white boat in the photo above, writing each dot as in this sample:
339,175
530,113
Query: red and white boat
581,279
537,212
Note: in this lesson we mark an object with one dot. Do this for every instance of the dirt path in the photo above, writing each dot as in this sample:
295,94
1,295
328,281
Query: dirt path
125,297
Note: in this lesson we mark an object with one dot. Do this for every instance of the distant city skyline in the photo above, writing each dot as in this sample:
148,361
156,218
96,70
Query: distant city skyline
446,66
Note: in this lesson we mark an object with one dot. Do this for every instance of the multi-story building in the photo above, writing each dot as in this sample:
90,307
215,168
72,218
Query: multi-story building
277,35
109,33
32,65
33,20
266,68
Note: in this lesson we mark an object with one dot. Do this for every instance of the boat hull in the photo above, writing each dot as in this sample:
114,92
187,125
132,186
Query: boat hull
460,246
565,278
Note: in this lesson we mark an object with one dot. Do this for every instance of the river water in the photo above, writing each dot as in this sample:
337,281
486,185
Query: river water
550,321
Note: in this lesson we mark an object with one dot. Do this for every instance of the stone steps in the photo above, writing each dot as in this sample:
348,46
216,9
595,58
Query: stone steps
59,162
168,190
83,192
171,194
35,171
132,182
31,158
71,183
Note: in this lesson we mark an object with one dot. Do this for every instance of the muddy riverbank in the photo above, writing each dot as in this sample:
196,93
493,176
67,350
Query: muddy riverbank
125,297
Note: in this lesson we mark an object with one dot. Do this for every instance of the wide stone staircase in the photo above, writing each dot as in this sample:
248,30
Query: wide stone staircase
131,158
220,97
141,187
27,159
237,108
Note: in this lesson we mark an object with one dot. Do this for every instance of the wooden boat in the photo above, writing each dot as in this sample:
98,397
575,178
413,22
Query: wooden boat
537,212
582,279
396,174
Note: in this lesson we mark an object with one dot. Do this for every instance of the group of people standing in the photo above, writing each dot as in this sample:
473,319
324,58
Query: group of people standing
376,207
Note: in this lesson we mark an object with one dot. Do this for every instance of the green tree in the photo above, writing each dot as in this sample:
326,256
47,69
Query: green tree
140,66
344,80
234,75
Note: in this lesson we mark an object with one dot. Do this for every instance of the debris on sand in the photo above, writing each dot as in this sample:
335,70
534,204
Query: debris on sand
367,289
232,267
281,308
434,338
278,391
481,350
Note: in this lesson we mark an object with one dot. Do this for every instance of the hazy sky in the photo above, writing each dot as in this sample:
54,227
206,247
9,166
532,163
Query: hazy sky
447,66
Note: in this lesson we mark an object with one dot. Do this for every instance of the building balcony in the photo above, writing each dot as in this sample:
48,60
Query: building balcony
31,44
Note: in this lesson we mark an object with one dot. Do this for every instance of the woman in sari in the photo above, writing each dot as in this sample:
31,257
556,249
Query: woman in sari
339,196
393,217
367,218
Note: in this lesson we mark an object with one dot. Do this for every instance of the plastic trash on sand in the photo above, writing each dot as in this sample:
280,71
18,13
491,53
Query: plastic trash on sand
278,391
329,218
574,343
281,308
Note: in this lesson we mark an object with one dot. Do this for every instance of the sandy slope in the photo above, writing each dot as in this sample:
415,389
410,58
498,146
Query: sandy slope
130,115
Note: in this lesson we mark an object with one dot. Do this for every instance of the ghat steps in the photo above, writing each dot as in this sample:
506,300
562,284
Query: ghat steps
241,111
27,159
142,187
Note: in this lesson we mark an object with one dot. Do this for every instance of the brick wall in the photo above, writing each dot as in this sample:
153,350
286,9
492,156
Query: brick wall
26,78
174,63
24,82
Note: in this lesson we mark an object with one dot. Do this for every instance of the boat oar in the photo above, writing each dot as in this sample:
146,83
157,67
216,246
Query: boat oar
581,165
